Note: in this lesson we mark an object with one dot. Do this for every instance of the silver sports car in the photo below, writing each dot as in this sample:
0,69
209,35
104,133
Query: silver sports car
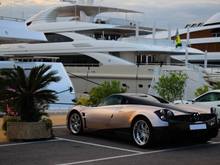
146,117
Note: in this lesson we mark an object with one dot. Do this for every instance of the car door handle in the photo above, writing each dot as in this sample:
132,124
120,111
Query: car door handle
218,105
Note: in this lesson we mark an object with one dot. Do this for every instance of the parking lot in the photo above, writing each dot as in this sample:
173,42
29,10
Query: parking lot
105,149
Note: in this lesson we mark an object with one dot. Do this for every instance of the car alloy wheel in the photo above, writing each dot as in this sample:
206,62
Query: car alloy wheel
75,123
141,132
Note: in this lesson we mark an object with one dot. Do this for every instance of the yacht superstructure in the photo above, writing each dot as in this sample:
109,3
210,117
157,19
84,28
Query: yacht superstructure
78,35
98,48
14,30
204,36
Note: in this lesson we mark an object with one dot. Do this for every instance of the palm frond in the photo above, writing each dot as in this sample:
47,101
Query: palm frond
46,95
27,92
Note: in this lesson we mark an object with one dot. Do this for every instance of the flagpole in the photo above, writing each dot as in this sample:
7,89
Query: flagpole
154,33
187,44
205,60
169,32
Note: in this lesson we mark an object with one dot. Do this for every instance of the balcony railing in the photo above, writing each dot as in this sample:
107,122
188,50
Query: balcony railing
12,19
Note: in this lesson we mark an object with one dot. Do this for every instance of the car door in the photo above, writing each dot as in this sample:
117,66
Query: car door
121,114
99,117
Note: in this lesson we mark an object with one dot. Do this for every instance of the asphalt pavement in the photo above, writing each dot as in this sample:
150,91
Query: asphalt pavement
106,149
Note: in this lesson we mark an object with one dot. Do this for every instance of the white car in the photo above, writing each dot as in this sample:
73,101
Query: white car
209,99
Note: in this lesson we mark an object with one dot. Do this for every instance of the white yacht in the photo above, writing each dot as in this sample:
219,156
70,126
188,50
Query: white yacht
14,30
86,35
77,35
204,36
64,88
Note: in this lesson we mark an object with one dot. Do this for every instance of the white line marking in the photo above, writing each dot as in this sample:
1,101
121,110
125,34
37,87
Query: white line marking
99,145
122,156
213,142
135,154
101,159
18,144
59,126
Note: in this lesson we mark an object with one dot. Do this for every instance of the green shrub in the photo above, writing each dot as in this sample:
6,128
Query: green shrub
171,87
216,85
82,100
201,90
1,108
105,89
98,93
47,121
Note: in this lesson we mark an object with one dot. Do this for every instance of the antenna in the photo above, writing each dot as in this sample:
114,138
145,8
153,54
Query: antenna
70,1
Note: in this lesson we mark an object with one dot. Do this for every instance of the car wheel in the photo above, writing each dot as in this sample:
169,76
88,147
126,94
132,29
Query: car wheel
141,132
75,123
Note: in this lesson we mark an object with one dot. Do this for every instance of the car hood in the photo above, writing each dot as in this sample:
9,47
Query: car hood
191,108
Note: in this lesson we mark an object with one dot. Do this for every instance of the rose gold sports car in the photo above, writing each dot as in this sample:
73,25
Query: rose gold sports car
146,117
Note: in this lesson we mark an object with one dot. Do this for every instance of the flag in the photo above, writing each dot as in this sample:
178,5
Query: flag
178,40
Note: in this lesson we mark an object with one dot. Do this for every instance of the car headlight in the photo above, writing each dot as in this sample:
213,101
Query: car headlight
164,114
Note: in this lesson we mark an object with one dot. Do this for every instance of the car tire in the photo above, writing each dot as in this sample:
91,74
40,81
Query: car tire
75,124
141,132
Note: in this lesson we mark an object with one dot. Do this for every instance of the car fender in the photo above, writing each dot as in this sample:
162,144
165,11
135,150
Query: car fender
151,116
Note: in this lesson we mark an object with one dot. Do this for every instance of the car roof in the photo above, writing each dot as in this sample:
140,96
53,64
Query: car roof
144,96
216,90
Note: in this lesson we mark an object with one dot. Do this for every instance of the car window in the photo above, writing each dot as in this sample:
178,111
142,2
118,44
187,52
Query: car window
111,100
209,97
217,96
160,100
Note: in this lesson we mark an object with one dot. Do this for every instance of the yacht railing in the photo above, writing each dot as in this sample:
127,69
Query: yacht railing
192,66
12,19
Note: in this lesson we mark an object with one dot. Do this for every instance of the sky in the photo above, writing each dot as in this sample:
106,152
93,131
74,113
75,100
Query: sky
161,13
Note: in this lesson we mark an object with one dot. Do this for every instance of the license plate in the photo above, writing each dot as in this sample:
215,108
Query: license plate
197,126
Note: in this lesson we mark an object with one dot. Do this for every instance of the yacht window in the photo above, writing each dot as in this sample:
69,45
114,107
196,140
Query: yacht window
140,85
78,60
28,23
53,37
138,61
150,59
144,59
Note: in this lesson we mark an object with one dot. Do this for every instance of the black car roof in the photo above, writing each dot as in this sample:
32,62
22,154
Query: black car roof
144,101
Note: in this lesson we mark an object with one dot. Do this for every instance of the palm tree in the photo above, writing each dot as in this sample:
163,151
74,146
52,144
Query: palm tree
27,93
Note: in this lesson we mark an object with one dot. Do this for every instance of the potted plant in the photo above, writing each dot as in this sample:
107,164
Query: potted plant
25,93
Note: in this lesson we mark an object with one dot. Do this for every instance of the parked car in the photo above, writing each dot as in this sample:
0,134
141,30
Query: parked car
210,99
145,117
